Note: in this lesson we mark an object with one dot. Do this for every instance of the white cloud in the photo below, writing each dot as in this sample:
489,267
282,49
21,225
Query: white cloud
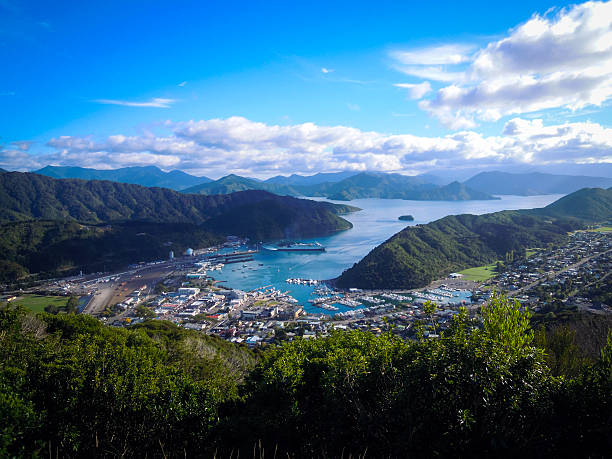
23,145
353,107
431,73
219,146
155,102
417,91
434,55
326,70
184,83
19,160
558,61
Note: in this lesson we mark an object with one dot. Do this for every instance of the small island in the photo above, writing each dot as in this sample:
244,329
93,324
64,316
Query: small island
407,218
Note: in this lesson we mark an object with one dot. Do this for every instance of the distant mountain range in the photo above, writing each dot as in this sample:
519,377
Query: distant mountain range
306,180
355,186
395,186
346,185
533,183
145,176
420,254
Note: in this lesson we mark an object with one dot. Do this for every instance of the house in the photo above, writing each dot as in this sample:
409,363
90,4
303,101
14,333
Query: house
195,326
188,291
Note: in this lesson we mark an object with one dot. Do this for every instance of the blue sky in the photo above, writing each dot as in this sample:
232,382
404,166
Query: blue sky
219,87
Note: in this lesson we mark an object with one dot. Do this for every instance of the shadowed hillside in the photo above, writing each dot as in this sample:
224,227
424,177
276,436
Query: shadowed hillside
59,226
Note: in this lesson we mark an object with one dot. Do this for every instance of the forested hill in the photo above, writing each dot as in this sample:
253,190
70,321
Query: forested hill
420,254
590,204
232,183
61,226
25,196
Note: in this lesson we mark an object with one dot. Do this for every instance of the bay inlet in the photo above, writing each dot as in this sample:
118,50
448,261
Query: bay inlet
374,224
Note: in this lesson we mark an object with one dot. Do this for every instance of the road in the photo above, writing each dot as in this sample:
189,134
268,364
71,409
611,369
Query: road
100,300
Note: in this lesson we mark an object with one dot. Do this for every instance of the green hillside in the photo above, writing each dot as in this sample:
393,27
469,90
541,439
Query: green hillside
418,255
26,196
271,220
58,226
62,248
232,183
590,204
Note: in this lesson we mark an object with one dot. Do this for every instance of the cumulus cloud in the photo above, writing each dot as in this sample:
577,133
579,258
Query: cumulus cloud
18,160
562,60
219,146
155,102
326,70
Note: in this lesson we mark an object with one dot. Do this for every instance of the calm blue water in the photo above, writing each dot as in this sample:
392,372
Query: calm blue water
371,226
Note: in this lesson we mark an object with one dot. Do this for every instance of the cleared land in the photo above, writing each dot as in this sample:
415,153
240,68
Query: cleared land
603,229
480,273
37,303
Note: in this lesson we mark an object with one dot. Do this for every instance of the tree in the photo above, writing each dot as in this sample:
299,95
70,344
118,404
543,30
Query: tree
78,388
160,288
562,354
507,322
280,335
480,388
72,305
144,312
51,309
430,308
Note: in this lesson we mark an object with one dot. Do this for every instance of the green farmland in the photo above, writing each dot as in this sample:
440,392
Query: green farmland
37,303
480,273
603,229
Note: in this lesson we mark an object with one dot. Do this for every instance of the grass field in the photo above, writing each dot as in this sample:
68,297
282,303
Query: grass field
37,303
603,229
479,274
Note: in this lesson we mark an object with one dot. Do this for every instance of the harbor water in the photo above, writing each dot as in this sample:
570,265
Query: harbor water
375,223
